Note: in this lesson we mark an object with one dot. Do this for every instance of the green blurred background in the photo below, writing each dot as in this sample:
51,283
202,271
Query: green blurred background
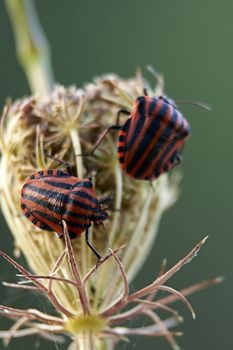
190,42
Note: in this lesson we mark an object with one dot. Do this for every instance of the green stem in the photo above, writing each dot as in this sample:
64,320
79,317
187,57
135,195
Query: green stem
31,44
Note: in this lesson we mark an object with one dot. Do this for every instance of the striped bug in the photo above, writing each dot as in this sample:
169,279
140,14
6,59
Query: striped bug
151,140
50,196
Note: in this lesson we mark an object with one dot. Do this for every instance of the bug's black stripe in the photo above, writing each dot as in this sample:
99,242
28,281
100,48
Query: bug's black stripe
59,209
120,149
58,222
72,234
152,106
55,208
43,203
46,227
86,196
160,144
141,120
82,205
62,174
165,167
150,134
86,184
64,185
35,221
165,153
174,160
46,216
58,196
67,186
68,213
121,138
184,131
125,127
101,215
78,224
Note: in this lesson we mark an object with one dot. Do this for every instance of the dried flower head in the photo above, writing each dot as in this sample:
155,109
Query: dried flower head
89,300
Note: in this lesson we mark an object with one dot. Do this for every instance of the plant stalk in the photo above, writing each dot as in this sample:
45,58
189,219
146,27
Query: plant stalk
86,341
31,45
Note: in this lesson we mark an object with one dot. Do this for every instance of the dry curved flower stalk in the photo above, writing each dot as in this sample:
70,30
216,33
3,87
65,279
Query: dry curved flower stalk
89,300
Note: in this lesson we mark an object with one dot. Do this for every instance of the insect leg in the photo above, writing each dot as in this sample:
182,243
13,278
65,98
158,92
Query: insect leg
105,132
121,111
60,161
91,246
105,199
100,139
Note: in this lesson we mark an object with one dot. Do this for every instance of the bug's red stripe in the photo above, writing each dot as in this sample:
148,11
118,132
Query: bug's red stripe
139,123
136,127
121,144
47,220
165,158
171,147
176,146
145,142
70,222
151,167
131,129
35,219
55,200
91,203
60,198
37,200
63,211
153,145
53,196
121,155
47,217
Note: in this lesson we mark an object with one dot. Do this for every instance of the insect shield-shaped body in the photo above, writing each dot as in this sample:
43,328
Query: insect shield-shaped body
50,196
151,140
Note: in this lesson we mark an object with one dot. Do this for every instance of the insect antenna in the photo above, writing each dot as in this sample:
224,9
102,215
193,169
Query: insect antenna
159,79
60,161
194,103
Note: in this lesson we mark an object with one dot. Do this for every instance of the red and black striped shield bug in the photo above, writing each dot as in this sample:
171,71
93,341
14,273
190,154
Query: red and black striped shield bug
50,196
151,140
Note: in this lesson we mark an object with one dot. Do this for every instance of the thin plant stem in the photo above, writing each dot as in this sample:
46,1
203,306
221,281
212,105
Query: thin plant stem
31,45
